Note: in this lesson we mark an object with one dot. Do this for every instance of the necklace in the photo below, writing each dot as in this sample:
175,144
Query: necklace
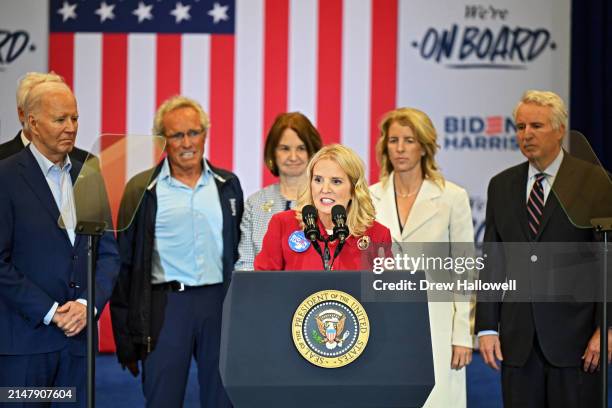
406,195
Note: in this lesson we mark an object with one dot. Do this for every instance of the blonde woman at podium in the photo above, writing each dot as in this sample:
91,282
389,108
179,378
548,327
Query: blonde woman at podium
419,206
335,177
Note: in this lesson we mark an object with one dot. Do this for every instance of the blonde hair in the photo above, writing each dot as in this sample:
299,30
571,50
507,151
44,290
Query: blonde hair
173,103
360,211
546,98
425,133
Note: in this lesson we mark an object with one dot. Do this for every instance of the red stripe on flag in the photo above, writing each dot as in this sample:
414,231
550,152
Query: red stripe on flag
114,84
222,100
384,75
275,65
329,70
113,121
168,60
168,73
61,55
112,149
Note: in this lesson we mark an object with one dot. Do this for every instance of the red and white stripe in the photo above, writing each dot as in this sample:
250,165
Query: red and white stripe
333,60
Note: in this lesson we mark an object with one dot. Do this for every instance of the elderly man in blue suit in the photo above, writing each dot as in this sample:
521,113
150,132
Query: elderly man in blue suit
43,267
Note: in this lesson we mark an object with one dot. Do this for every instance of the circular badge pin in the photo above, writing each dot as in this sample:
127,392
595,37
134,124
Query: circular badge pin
297,241
363,243
330,329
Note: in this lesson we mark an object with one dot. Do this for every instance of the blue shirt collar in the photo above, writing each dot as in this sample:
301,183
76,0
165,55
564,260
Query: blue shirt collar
550,171
205,177
47,165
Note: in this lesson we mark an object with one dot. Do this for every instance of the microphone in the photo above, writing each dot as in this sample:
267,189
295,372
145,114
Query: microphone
309,216
341,230
311,231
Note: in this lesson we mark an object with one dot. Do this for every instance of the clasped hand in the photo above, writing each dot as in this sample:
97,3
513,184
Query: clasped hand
71,317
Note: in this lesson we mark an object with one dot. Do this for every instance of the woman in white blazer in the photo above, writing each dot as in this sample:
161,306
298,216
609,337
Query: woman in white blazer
414,201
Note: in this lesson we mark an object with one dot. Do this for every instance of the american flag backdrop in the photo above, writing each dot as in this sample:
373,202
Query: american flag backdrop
245,61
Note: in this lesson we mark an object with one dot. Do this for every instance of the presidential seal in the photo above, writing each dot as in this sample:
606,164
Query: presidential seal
330,329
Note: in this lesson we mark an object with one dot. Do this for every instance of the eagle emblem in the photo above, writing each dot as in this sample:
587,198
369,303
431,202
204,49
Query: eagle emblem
331,326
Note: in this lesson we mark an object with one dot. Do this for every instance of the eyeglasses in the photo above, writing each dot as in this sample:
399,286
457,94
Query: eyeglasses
191,133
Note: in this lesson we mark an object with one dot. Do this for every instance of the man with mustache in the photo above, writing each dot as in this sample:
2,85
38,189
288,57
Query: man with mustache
549,350
43,267
177,255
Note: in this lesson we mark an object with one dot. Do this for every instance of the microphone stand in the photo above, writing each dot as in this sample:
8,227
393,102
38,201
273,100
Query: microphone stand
314,240
337,251
93,231
336,236
604,225
317,247
326,257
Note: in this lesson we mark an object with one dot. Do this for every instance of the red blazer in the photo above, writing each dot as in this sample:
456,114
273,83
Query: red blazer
277,254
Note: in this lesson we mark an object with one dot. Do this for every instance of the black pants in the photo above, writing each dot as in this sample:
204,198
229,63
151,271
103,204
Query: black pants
538,384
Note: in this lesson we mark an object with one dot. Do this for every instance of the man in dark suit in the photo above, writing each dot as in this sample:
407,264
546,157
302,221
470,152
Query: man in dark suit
43,267
549,350
23,138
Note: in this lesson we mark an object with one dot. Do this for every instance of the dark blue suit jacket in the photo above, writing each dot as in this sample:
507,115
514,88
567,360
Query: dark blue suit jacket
39,265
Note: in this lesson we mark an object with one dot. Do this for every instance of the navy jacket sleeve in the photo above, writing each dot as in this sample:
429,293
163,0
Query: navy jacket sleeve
19,292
